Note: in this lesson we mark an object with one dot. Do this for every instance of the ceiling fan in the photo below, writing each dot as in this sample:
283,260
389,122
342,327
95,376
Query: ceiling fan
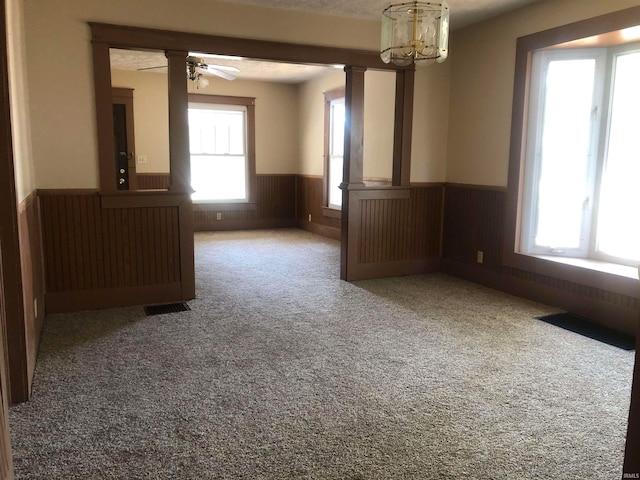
197,67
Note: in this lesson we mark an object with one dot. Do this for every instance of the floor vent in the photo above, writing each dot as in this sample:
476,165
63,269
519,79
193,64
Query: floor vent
592,330
168,308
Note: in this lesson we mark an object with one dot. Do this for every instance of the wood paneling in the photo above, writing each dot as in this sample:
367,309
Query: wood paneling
632,456
474,221
275,207
32,276
153,181
395,231
93,249
310,201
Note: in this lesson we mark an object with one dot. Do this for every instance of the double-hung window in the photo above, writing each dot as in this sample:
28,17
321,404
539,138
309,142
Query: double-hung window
582,158
334,120
219,148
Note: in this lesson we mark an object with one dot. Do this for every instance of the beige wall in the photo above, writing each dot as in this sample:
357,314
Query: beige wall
151,116
430,123
19,95
60,66
378,125
276,118
482,70
311,120
379,107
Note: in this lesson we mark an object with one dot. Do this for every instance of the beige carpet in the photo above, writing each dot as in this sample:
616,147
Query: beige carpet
282,371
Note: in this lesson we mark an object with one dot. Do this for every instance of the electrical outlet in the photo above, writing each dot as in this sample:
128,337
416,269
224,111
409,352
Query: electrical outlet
142,159
218,215
480,256
309,217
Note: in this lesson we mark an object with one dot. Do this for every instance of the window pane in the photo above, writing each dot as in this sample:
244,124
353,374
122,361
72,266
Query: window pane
335,179
218,177
618,229
337,128
564,153
195,132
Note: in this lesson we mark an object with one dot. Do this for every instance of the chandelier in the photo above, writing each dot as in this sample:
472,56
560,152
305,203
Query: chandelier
415,32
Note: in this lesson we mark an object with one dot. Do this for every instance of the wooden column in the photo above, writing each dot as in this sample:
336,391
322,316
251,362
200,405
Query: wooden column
632,451
104,117
353,161
180,165
403,124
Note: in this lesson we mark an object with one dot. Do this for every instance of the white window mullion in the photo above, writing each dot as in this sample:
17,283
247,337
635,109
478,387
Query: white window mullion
560,155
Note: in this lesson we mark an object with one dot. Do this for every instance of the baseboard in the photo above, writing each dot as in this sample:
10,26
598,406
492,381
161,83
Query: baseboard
368,271
58,302
614,316
318,229
222,225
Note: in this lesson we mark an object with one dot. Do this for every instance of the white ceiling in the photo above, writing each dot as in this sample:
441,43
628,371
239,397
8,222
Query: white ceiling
463,13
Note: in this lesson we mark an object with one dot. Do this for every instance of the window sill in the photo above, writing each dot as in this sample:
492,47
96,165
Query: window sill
597,265
331,212
581,271
224,207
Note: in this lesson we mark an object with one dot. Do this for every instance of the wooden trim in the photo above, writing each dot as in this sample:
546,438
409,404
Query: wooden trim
254,224
491,188
221,99
120,36
403,125
304,175
329,96
318,229
10,243
179,155
367,271
614,316
104,116
352,165
42,192
124,96
78,300
147,199
331,212
631,457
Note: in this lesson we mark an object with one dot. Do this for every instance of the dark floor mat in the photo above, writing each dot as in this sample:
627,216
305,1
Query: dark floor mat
592,330
168,308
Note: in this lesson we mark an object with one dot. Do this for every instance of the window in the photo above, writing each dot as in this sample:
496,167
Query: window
219,143
334,146
582,159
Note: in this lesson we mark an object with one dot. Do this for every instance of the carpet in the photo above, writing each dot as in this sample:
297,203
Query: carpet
582,326
282,371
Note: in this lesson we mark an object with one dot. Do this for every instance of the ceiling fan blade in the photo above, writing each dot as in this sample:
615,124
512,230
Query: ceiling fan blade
218,73
151,68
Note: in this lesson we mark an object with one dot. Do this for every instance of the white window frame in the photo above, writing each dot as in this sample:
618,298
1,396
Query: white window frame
601,120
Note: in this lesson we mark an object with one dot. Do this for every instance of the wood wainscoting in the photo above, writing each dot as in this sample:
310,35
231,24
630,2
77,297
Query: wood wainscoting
152,181
474,221
397,232
275,207
310,213
99,257
33,288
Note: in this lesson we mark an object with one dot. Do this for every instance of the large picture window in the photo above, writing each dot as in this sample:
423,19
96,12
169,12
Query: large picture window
582,161
219,143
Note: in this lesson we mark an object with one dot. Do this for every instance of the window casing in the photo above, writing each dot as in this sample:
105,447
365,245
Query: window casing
334,146
221,141
581,158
